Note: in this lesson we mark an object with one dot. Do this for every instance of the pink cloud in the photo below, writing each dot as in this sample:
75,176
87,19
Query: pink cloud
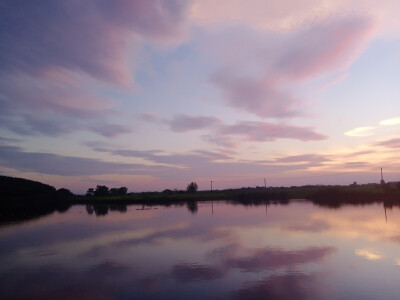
258,13
392,143
91,37
305,158
258,96
261,76
225,135
263,131
323,47
48,97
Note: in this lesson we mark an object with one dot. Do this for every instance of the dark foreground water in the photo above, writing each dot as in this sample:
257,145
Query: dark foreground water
213,250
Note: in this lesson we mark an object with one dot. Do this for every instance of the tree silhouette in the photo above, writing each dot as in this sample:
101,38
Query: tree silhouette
118,191
192,187
122,190
90,192
101,190
64,193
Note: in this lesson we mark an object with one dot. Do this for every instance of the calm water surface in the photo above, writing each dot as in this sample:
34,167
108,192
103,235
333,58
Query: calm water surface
214,250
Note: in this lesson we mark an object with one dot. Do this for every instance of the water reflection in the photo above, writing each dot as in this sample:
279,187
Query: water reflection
289,286
367,254
278,258
102,209
192,206
204,250
196,272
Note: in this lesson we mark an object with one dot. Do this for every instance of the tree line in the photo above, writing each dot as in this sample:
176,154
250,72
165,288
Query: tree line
102,191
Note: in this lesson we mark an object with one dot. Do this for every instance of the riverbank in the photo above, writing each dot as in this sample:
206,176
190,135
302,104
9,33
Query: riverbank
24,199
332,196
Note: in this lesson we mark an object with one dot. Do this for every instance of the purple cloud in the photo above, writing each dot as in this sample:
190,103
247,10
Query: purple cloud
47,163
183,123
89,36
109,130
223,135
38,107
261,97
263,131
193,158
261,77
302,158
50,52
392,143
197,164
150,117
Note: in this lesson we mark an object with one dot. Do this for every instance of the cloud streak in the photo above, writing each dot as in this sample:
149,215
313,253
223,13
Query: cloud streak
183,123
263,131
390,122
361,131
224,134
391,144
47,163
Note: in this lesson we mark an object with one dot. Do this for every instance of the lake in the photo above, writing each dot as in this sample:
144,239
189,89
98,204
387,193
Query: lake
208,250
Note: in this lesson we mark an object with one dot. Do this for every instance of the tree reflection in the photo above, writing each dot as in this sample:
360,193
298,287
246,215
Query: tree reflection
102,209
192,206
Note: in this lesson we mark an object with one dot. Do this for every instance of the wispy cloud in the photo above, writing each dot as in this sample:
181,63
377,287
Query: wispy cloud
370,130
48,163
361,131
305,158
275,66
390,122
264,131
223,134
261,97
392,143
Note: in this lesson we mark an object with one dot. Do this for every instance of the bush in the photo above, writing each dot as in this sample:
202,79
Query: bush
192,187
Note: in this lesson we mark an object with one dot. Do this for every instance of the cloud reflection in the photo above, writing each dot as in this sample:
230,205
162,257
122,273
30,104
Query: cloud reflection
196,272
277,258
367,254
291,286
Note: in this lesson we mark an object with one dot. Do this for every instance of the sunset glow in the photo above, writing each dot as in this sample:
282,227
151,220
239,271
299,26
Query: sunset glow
153,94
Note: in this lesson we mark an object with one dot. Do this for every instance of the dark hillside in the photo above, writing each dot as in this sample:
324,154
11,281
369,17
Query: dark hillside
24,199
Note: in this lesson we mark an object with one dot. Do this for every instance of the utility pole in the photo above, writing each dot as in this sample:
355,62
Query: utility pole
265,183
382,181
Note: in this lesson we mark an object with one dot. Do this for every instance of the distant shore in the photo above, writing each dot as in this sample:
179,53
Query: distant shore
353,194
24,199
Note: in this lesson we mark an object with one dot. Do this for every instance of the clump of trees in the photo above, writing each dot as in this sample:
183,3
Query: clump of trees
192,187
103,191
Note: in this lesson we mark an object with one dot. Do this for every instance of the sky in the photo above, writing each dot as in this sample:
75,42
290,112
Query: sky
152,95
